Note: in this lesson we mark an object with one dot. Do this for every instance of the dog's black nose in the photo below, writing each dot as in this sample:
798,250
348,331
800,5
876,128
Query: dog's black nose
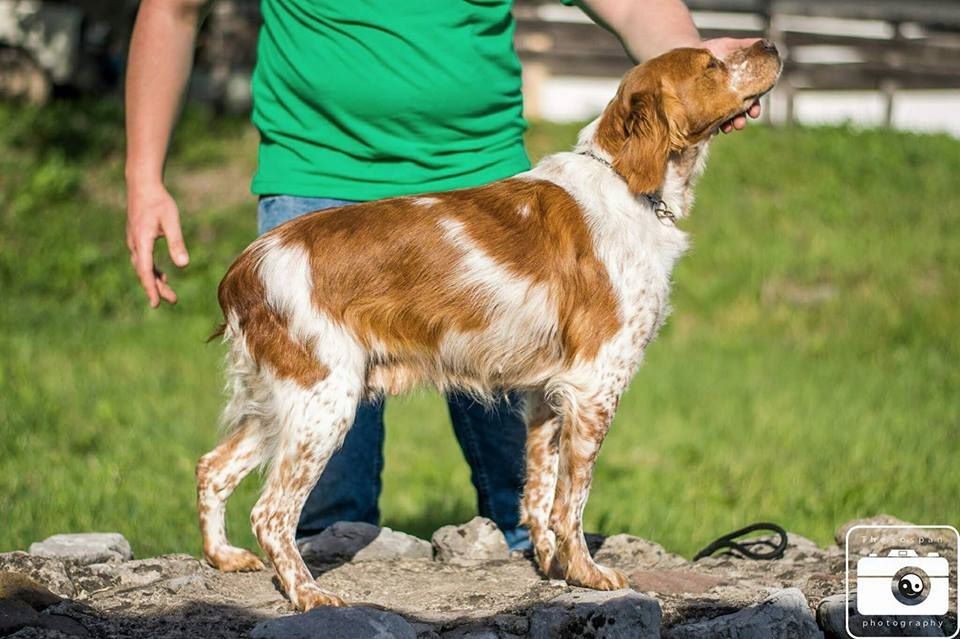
767,45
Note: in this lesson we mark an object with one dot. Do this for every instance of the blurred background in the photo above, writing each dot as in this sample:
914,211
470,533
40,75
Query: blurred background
809,374
873,62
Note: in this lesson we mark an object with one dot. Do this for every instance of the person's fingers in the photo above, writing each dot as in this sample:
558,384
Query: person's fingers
738,123
143,264
175,244
721,47
163,288
754,110
732,44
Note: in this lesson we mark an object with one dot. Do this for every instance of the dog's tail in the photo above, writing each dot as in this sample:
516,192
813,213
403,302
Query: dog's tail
240,292
218,333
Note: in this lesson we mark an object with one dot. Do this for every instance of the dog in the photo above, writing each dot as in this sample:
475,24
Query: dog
551,283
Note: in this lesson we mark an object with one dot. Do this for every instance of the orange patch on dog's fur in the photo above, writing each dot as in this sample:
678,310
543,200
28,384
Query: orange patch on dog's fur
403,294
242,295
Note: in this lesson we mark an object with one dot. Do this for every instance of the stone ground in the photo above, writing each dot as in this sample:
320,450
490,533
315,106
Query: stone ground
464,584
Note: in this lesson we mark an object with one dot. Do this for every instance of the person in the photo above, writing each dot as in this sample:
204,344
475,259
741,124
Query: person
360,101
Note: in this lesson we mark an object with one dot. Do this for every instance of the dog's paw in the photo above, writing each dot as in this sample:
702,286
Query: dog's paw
545,549
597,577
232,559
613,579
310,595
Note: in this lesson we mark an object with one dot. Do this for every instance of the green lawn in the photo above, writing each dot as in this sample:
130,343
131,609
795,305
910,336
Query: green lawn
809,373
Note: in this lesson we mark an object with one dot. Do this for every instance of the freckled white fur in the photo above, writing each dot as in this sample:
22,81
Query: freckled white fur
312,421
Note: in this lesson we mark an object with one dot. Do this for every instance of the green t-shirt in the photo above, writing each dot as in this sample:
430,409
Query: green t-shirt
367,99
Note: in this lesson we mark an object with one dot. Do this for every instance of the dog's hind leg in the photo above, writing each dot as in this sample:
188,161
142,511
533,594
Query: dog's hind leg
543,440
311,425
218,473
586,422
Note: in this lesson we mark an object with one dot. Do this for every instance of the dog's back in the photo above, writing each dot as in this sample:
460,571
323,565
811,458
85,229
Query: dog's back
485,287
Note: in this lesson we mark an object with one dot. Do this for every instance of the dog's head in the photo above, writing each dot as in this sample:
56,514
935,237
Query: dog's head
677,100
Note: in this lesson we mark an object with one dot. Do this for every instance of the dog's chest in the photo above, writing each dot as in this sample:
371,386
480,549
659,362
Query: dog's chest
640,264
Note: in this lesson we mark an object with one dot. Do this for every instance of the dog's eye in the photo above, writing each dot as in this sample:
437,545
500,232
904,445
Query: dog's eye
714,64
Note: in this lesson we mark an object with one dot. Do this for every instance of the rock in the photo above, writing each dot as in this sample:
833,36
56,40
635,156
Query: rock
498,627
17,586
603,615
472,632
634,552
785,614
50,572
674,581
512,624
84,548
63,624
141,572
477,540
425,630
175,585
356,623
832,617
358,541
32,632
880,520
14,615
443,594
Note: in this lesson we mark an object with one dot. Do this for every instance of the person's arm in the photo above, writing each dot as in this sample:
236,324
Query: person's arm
161,54
648,28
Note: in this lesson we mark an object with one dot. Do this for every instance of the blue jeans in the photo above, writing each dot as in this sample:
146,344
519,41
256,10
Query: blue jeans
492,440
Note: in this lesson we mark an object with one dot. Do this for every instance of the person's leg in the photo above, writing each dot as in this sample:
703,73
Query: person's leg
493,440
349,488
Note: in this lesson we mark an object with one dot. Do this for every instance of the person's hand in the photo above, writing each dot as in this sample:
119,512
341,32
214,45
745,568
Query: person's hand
152,213
722,47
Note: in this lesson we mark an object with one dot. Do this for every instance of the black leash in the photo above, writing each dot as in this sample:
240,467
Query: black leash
745,548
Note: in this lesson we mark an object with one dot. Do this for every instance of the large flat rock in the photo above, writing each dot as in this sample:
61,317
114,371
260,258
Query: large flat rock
507,597
84,548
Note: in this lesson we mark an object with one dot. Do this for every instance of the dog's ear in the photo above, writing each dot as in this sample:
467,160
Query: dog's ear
640,128
652,128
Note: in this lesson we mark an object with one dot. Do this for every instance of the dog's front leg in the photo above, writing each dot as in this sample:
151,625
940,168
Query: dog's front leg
543,443
585,426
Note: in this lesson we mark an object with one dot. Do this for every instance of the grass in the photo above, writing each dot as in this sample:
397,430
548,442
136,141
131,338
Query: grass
807,376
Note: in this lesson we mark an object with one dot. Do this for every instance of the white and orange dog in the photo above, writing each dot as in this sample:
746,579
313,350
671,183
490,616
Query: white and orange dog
552,282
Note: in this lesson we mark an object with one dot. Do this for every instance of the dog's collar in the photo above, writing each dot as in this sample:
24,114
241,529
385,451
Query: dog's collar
660,208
